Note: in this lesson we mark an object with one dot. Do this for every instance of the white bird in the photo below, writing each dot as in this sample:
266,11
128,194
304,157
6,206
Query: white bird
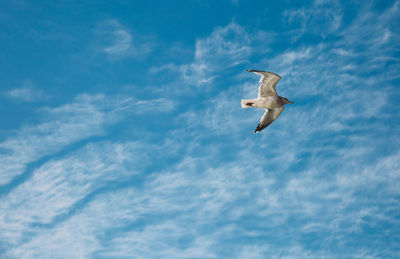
267,99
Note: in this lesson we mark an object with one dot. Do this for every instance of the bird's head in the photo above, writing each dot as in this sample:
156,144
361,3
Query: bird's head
286,101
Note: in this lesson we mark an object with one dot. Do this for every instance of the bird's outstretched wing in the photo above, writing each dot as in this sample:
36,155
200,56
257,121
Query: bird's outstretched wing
268,82
269,116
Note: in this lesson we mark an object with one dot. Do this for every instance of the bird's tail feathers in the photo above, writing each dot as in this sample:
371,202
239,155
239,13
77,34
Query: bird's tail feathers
247,103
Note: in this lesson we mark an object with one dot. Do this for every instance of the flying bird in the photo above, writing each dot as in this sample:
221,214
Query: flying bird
267,99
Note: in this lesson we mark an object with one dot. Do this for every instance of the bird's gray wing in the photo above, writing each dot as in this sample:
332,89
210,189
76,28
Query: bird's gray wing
269,116
268,82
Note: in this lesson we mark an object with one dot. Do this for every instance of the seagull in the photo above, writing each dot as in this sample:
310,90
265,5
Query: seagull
267,99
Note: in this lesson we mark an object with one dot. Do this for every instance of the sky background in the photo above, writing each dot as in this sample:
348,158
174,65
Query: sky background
122,134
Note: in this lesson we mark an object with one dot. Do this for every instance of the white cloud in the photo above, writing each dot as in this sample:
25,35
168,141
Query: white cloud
118,42
321,17
63,125
162,194
223,49
26,93
159,105
155,218
122,43
86,116
58,185
373,35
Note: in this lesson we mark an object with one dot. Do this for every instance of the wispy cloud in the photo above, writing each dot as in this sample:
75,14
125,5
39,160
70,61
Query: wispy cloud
64,125
27,93
194,208
320,17
118,42
86,116
122,43
158,105
224,48
61,186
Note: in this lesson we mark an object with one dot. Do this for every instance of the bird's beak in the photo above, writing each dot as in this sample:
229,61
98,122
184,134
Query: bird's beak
291,102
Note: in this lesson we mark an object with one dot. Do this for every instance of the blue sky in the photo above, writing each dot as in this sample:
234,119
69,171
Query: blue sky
122,134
